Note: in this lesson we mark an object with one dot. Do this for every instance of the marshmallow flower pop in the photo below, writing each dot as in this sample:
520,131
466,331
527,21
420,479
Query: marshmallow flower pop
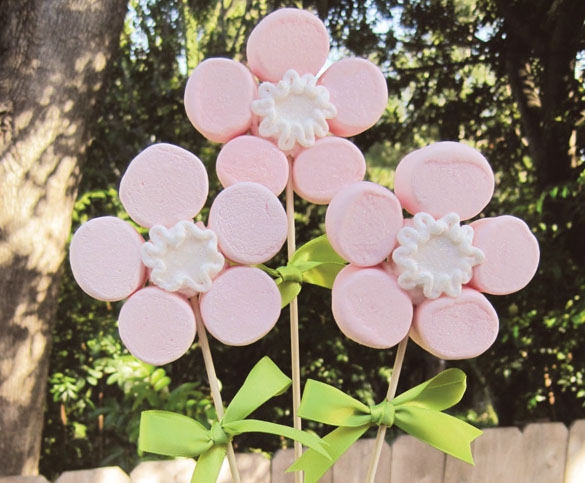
422,277
192,285
290,116
292,108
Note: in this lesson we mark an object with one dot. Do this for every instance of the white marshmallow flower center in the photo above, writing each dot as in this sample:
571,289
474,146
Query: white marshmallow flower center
293,111
183,259
436,256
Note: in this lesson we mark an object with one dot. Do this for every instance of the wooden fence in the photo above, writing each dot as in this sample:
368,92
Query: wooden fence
541,453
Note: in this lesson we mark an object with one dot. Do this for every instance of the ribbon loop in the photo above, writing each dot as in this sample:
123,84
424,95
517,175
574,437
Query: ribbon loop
417,412
290,273
382,414
218,435
171,434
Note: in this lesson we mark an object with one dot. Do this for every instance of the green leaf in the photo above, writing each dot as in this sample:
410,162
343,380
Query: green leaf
162,383
157,375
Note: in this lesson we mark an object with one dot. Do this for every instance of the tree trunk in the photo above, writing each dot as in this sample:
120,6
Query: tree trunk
53,59
552,33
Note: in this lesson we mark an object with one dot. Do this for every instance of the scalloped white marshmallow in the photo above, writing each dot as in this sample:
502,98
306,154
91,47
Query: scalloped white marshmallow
183,259
293,111
436,256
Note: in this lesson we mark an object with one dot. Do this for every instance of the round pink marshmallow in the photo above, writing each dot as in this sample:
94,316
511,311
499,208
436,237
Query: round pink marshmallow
241,307
250,223
456,327
322,170
511,255
156,326
250,158
164,184
105,258
358,90
442,178
218,96
362,221
370,308
288,38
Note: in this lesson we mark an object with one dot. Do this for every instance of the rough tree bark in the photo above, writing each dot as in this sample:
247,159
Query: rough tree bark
53,59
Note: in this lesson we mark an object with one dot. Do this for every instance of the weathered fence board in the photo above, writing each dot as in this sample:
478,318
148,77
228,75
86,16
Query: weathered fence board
542,453
252,467
169,471
575,471
110,474
282,460
414,461
352,467
545,452
23,479
498,455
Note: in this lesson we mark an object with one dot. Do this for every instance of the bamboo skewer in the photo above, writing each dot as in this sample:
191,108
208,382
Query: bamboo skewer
213,383
375,459
294,322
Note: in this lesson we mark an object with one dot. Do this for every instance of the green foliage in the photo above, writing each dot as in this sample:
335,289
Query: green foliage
447,65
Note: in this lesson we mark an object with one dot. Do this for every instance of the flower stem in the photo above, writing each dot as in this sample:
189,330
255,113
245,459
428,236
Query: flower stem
213,382
389,396
294,322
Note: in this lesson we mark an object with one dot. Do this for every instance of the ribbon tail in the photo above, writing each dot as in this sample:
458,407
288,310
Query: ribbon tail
209,464
257,426
440,430
315,465
270,271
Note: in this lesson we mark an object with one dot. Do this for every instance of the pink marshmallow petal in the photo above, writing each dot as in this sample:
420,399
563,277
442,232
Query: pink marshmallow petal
241,307
362,222
511,255
442,178
287,39
164,184
218,97
250,158
369,307
250,223
156,326
321,171
455,327
105,259
358,90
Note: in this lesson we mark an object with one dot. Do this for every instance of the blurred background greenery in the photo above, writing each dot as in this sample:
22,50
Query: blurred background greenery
504,76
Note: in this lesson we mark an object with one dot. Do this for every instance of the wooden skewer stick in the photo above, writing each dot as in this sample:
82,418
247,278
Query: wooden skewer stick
294,322
389,396
213,383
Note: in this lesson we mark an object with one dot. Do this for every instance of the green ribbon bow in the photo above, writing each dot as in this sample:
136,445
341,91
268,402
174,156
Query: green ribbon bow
315,262
417,412
172,434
